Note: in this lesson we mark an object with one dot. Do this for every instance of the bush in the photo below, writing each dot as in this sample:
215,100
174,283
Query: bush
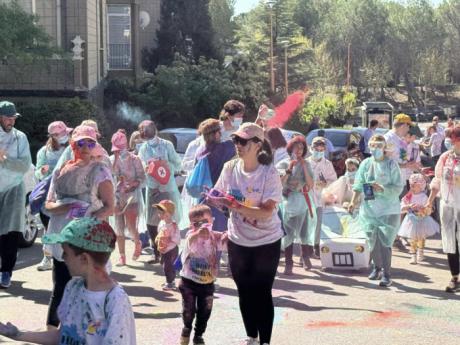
186,93
38,114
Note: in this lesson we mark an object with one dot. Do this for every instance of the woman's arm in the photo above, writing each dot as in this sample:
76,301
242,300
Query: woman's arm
265,210
106,195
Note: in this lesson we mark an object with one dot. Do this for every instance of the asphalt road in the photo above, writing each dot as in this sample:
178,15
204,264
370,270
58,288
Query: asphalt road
313,307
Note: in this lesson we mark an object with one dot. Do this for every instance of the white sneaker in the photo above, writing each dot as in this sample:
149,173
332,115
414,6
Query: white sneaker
250,341
46,264
420,255
413,259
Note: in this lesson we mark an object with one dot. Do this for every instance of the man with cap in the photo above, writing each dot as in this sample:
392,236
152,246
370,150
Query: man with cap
397,150
15,161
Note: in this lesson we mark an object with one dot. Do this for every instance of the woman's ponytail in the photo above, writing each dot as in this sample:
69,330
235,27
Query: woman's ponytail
265,155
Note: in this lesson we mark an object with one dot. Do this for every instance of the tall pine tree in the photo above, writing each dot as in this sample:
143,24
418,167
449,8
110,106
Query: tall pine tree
186,29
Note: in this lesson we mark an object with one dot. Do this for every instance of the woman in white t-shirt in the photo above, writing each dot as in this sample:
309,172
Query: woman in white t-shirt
254,190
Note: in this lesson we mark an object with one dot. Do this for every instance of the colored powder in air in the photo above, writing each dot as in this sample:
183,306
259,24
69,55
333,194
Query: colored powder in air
285,111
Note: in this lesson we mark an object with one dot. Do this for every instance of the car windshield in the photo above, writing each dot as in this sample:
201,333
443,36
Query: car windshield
338,139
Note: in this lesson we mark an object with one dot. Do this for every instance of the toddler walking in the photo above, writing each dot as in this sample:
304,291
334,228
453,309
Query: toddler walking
199,271
167,241
418,224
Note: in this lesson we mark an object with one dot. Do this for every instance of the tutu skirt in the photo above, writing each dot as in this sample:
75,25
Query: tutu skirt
418,228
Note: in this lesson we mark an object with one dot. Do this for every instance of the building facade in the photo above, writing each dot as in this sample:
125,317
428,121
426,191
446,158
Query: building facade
99,38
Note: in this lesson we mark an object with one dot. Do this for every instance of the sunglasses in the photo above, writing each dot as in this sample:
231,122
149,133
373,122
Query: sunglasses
199,223
88,143
243,142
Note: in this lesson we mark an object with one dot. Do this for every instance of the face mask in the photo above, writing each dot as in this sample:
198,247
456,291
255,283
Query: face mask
377,153
237,122
350,174
63,140
317,155
448,143
154,141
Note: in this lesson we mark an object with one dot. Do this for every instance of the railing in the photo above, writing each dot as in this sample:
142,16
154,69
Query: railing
119,56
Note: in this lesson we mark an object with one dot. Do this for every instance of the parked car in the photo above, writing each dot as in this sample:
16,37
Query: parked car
342,245
33,225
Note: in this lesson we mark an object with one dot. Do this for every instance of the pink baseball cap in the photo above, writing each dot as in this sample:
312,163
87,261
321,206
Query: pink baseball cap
119,141
84,132
250,130
59,128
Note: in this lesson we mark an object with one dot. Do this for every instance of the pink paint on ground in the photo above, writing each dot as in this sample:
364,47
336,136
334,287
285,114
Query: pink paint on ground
285,111
381,319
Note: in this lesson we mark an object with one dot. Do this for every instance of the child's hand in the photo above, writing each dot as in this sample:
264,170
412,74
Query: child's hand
9,330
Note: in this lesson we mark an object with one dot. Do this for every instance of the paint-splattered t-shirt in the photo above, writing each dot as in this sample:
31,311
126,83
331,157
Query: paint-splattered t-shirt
95,317
252,189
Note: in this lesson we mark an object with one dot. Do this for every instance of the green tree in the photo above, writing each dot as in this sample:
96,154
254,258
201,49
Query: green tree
449,13
185,28
221,13
21,38
253,36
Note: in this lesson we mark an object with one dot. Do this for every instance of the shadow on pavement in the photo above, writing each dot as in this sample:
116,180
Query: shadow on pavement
29,256
17,290
145,291
156,316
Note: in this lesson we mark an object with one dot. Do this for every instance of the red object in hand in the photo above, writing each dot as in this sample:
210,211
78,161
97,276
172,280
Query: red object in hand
159,170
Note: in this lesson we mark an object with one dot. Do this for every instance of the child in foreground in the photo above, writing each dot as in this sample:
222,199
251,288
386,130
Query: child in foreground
167,241
199,271
94,308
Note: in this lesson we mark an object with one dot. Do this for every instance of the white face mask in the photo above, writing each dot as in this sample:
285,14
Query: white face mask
63,140
237,121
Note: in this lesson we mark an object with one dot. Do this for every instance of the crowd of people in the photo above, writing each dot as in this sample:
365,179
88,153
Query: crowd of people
257,196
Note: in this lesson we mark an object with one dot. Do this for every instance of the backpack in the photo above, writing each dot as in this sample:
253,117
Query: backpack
199,178
38,195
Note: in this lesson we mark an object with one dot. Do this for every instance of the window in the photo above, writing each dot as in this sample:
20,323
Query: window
119,36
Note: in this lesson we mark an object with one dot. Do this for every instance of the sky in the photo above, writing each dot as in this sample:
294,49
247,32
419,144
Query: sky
242,6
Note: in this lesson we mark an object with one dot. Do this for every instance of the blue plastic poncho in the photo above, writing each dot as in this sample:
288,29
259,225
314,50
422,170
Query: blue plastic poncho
380,218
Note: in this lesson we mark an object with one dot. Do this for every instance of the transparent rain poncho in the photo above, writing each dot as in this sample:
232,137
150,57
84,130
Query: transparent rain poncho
299,224
380,218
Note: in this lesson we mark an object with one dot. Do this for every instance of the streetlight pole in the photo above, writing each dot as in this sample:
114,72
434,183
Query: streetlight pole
286,82
270,4
272,71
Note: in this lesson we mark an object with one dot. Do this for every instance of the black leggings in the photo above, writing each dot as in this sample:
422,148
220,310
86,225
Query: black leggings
153,232
61,277
9,250
254,270
454,259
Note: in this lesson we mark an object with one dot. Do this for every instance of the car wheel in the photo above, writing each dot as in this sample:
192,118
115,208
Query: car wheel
31,228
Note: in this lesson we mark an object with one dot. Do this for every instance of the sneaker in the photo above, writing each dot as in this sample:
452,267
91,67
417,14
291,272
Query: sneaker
250,341
46,264
198,340
385,281
137,250
168,286
153,260
375,274
6,280
306,263
399,245
453,285
185,336
413,259
121,261
420,255
288,270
